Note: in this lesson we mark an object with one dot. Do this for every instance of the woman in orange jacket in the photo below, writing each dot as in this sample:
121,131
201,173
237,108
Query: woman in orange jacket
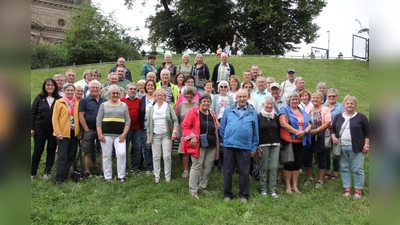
67,130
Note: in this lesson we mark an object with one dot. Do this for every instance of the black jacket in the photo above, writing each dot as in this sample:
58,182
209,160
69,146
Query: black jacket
128,74
215,72
268,130
41,113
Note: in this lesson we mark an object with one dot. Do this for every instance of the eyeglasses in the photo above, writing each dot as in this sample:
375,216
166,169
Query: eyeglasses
332,96
249,87
132,89
223,86
94,87
115,93
49,85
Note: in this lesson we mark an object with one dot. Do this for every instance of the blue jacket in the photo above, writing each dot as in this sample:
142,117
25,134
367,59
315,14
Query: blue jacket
240,131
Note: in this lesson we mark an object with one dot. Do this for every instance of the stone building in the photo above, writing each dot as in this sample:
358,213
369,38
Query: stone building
49,19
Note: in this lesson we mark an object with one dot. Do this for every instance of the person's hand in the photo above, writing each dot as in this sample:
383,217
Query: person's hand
122,138
173,136
59,137
32,133
366,149
335,141
300,134
101,138
314,132
259,152
79,137
193,142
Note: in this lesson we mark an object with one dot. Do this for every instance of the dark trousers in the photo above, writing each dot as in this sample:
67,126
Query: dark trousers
298,151
133,137
39,138
66,156
309,152
241,158
336,166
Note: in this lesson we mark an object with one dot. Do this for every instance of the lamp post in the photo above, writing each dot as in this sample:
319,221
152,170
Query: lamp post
329,36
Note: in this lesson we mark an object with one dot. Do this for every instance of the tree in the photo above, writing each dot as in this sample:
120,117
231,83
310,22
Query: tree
47,55
92,37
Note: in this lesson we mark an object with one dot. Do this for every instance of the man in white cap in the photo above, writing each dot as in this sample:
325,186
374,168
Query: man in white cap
288,85
276,93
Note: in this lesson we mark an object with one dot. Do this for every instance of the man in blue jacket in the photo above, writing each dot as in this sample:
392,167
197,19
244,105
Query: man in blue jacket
239,129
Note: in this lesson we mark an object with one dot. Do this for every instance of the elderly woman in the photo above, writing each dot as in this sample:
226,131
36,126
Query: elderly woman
181,112
146,103
141,92
167,65
66,129
189,82
335,108
162,129
320,118
201,72
200,120
79,89
150,66
321,88
268,146
42,129
185,67
112,125
353,130
179,81
305,100
295,129
234,84
249,86
86,78
170,89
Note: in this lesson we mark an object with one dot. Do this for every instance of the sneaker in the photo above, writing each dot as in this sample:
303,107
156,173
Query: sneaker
309,181
194,194
357,194
346,193
148,173
243,200
319,184
274,195
157,181
185,174
46,176
227,199
264,194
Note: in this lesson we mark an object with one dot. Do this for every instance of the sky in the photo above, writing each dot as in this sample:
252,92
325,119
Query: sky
338,17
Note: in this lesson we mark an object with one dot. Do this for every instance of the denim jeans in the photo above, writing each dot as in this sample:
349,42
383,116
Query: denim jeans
148,155
40,137
234,157
351,163
133,137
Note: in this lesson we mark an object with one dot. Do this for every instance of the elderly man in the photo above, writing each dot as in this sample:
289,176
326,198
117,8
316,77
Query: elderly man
261,92
87,111
127,72
151,76
133,136
169,88
255,72
288,85
70,76
299,82
112,79
60,80
239,130
222,71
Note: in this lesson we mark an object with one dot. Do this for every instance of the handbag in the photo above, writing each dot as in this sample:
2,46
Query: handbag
199,82
286,155
327,140
337,149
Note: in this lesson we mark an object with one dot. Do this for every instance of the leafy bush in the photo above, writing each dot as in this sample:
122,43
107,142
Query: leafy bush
47,55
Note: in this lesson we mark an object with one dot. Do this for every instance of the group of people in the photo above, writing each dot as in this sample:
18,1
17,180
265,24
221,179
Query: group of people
218,121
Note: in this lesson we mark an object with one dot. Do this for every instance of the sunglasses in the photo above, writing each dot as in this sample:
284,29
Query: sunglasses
332,96
223,86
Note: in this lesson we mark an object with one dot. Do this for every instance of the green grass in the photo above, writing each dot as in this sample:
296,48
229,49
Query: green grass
141,201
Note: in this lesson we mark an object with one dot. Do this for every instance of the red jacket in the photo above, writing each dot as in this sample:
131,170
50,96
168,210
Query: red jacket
191,128
134,111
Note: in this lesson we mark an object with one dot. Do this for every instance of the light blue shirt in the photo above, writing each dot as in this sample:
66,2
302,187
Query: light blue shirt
260,96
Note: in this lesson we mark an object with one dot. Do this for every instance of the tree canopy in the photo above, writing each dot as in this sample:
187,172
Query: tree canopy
271,26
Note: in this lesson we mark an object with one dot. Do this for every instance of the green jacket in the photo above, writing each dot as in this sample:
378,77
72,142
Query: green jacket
171,119
174,89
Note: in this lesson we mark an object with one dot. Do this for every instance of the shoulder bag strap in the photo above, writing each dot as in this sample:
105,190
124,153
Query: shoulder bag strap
343,127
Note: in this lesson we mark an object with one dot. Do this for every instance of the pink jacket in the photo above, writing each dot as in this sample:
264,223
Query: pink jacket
191,128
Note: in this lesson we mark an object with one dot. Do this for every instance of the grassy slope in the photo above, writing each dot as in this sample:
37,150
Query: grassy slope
140,201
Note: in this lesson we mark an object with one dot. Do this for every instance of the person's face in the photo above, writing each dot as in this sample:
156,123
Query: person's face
261,84
316,100
247,76
254,71
69,91
233,84
322,89
223,89
120,72
78,92
268,106
121,62
185,59
300,85
115,95
141,87
332,97
208,87
205,104
96,76
304,98
180,79
269,82
290,75
89,77
113,79
168,59
241,98
294,102
49,87
131,91
151,76
189,82
60,82
275,92
94,90
248,87
224,58
199,60
165,75
151,61
160,97
150,87
70,76
350,106
189,97
218,46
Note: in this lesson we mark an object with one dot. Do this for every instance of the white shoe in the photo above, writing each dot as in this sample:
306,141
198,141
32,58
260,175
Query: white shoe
264,194
274,195
46,176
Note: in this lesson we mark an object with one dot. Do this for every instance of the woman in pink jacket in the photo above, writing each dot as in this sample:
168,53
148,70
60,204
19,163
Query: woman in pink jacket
200,140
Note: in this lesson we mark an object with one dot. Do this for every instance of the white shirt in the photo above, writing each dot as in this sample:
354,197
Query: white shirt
287,87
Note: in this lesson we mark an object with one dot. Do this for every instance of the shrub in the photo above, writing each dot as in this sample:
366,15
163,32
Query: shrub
47,55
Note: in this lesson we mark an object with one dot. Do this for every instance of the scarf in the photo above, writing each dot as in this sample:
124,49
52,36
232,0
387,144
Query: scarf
70,103
160,110
268,115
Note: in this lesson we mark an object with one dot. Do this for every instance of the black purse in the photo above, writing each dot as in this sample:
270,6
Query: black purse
203,137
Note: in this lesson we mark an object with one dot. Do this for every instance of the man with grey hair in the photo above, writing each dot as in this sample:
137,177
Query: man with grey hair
260,92
70,76
121,62
112,79
60,80
222,71
255,72
299,82
288,86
